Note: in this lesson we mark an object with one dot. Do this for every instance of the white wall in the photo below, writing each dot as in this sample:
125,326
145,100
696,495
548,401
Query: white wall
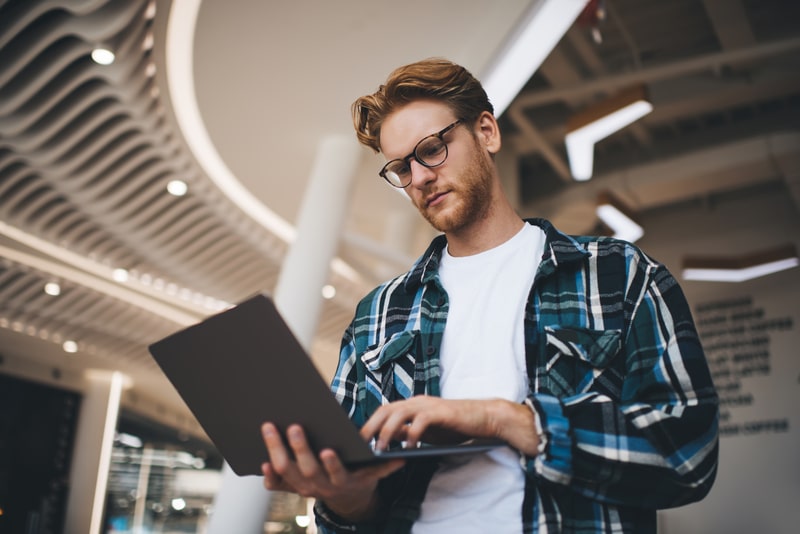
750,331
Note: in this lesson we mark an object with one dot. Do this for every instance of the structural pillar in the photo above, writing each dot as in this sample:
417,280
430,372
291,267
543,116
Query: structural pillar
242,503
91,459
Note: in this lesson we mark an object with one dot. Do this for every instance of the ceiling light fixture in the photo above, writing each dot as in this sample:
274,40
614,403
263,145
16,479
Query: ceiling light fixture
742,268
70,346
597,122
328,291
129,440
177,188
52,288
119,275
102,56
618,218
539,30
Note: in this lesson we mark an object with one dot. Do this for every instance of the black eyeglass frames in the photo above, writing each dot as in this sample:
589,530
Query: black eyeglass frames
431,151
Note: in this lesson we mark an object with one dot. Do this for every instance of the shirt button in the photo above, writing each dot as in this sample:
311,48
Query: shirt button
430,350
440,301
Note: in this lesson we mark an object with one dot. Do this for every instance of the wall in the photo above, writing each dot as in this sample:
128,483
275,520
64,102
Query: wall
750,333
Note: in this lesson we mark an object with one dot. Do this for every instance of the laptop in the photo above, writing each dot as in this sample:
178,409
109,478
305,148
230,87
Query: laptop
243,367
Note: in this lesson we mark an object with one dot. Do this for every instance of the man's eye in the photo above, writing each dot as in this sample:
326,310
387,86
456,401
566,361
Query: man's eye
430,151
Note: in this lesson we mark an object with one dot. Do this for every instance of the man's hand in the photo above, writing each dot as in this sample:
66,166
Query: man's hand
424,418
349,494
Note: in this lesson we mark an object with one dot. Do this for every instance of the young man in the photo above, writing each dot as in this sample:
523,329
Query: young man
579,353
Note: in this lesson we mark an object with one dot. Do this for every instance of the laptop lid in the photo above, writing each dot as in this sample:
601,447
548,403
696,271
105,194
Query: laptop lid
243,367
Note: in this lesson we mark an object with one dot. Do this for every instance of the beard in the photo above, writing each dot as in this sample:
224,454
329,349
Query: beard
474,193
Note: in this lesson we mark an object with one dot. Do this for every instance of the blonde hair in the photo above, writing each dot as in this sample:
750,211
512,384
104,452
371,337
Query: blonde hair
429,79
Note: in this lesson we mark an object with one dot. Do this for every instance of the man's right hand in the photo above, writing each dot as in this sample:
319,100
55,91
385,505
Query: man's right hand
349,494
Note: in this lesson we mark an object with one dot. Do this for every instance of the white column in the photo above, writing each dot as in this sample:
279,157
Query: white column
241,505
141,490
91,460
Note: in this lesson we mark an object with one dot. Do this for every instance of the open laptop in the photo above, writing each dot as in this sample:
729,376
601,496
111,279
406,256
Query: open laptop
243,367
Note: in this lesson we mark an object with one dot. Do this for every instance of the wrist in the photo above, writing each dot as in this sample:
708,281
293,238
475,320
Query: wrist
356,509
515,423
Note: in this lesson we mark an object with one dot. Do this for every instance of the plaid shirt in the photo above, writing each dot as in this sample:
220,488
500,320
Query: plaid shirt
618,382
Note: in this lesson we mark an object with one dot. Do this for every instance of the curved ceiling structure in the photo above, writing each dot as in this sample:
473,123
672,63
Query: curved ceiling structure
87,150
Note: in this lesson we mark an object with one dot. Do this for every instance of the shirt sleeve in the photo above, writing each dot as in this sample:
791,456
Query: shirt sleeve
344,387
656,445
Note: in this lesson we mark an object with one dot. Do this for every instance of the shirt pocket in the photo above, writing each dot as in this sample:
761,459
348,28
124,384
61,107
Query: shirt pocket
580,360
389,367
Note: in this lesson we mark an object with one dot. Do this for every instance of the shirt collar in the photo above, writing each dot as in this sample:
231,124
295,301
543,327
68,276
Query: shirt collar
559,249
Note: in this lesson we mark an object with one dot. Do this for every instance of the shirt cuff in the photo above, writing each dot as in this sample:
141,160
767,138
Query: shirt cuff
329,521
538,422
554,458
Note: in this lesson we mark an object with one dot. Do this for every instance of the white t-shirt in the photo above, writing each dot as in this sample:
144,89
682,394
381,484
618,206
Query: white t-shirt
483,356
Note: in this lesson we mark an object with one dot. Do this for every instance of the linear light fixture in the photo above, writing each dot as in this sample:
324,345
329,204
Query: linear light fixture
539,30
618,218
597,122
741,268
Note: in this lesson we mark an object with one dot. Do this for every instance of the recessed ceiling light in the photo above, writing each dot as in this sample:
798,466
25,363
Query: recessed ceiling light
70,346
150,12
177,188
120,275
52,288
103,56
328,292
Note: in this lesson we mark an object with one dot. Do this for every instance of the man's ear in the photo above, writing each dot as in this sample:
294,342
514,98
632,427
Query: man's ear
489,132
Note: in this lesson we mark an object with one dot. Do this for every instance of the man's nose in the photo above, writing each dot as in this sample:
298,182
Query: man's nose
420,174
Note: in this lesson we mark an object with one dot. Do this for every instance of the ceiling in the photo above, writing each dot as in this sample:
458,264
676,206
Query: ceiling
86,150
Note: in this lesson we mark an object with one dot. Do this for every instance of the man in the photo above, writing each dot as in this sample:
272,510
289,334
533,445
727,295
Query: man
579,353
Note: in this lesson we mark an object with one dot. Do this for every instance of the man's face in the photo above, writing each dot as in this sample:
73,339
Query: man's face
456,193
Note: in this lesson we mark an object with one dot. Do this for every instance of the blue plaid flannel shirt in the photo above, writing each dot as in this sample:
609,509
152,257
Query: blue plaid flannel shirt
618,382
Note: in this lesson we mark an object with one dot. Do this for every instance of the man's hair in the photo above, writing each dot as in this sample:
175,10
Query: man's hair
429,79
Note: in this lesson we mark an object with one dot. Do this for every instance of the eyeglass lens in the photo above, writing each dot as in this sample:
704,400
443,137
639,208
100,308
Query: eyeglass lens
430,152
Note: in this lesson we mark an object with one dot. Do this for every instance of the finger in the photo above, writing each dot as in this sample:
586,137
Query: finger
415,429
335,469
374,423
272,480
423,422
397,426
306,461
278,455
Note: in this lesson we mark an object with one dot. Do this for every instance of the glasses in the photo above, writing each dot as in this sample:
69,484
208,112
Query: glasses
430,152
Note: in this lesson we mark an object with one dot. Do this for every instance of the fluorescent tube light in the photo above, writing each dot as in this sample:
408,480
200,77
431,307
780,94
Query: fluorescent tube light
539,30
742,268
614,215
599,121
